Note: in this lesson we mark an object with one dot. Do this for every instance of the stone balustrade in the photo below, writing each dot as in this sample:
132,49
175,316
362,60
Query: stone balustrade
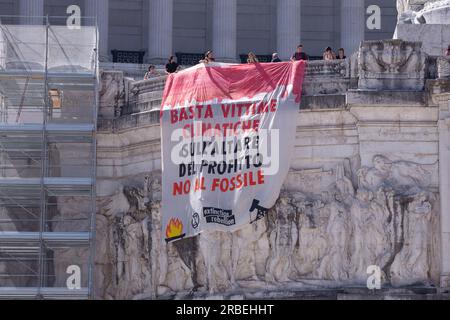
333,68
328,84
150,85
315,69
143,98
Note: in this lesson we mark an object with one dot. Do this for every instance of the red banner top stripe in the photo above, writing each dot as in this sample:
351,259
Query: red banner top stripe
235,81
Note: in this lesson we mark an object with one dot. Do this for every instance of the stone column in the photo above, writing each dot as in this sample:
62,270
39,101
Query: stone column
31,12
288,27
160,30
100,10
352,25
225,30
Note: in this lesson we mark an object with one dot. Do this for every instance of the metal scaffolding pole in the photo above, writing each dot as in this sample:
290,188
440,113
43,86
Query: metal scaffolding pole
49,101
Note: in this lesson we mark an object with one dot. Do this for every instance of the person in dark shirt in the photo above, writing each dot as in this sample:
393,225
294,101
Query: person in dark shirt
172,66
341,54
448,51
299,54
276,58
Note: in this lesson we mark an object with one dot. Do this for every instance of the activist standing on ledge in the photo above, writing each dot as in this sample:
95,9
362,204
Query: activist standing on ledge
252,58
172,66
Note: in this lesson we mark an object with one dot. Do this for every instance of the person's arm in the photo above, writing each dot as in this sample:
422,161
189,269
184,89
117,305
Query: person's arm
167,69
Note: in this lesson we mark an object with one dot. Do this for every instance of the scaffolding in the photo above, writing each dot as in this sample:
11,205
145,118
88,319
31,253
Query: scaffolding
48,120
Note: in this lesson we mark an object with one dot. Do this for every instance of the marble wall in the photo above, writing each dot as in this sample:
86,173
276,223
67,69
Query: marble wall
368,185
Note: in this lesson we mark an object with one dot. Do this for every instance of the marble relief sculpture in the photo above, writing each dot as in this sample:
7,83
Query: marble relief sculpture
331,237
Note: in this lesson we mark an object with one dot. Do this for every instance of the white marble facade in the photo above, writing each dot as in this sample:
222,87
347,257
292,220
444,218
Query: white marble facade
368,185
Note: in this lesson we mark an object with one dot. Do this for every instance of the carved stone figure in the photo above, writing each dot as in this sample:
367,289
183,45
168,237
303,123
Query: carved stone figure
312,240
133,258
335,265
397,174
412,264
435,12
332,236
217,261
178,276
246,250
111,94
283,236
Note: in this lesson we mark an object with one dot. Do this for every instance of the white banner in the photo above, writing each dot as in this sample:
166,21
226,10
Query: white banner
228,134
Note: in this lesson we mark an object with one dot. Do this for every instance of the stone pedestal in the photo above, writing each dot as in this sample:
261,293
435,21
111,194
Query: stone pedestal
224,30
288,27
99,9
391,65
160,31
31,12
352,24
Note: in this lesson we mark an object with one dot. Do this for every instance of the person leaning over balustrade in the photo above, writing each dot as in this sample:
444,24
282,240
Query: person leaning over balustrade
172,66
299,54
208,57
275,58
151,72
341,54
329,54
252,58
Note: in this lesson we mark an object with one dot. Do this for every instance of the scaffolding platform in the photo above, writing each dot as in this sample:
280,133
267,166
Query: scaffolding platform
48,120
